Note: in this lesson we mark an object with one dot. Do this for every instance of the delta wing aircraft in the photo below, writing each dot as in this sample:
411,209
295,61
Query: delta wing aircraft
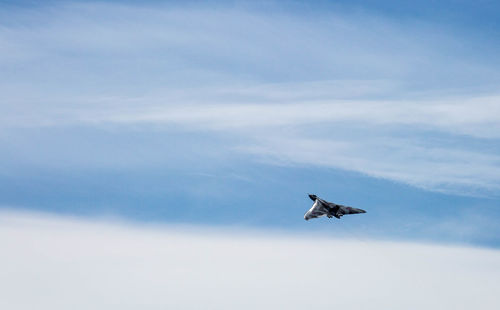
322,207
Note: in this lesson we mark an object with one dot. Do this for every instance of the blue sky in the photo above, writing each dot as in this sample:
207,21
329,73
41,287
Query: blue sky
229,114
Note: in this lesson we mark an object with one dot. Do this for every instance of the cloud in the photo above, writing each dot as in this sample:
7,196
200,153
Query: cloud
137,49
423,143
389,98
62,263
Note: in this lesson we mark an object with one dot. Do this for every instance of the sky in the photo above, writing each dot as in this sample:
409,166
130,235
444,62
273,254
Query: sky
151,149
231,113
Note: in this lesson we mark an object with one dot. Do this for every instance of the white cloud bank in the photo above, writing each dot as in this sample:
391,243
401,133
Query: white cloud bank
54,263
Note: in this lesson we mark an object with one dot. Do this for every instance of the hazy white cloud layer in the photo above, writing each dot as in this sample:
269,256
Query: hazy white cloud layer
55,263
397,100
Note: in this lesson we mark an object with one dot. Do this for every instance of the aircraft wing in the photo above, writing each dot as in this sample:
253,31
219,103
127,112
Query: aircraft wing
351,210
317,210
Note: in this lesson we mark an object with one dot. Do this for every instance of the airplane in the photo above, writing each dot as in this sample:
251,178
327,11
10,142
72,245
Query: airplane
322,207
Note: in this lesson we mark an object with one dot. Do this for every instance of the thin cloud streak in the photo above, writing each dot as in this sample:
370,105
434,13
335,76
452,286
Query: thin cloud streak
432,168
229,109
477,117
63,263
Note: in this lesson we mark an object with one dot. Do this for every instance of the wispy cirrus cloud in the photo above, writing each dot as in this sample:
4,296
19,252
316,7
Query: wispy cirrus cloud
400,100
421,143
